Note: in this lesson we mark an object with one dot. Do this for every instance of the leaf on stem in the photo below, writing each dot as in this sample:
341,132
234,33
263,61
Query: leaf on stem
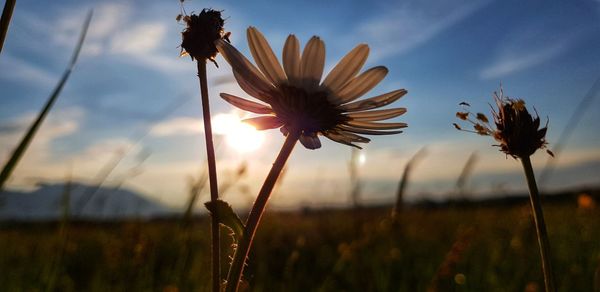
227,217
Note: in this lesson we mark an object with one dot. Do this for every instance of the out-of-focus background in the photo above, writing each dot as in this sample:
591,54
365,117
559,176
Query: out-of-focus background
130,81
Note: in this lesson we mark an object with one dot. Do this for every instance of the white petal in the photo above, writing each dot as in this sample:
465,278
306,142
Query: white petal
336,137
347,68
312,63
362,84
264,56
374,102
246,104
291,60
376,126
366,131
264,122
377,115
243,67
354,138
251,88
310,141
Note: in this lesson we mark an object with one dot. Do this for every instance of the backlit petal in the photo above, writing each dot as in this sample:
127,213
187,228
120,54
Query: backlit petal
366,131
374,102
291,60
244,68
312,63
360,85
336,137
246,104
376,126
264,122
310,141
251,88
347,68
377,115
264,56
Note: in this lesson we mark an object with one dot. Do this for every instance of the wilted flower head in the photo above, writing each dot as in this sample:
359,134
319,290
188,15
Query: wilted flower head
517,131
198,38
297,99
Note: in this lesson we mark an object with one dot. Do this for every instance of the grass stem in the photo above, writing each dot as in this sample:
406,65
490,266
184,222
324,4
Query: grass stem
18,153
212,176
9,7
540,226
237,267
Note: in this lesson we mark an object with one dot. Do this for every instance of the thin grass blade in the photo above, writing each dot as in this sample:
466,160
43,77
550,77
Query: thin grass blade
9,7
18,153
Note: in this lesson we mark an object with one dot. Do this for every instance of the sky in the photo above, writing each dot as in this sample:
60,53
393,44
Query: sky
130,93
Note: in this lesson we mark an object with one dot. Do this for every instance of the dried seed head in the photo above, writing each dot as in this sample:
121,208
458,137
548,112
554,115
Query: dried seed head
198,38
482,118
517,131
462,115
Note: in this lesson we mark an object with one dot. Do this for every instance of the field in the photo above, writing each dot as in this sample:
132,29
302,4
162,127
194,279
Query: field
444,248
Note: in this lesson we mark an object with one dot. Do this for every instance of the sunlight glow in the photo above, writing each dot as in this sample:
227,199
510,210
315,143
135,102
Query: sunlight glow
362,158
239,136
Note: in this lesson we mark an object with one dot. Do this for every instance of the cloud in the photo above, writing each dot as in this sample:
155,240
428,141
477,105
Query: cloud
414,23
178,126
532,45
108,19
37,160
116,31
140,39
22,70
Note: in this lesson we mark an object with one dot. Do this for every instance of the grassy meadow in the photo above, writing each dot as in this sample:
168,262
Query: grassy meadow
444,248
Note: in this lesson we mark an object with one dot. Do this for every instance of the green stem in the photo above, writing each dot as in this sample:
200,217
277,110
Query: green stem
7,12
540,226
212,177
237,266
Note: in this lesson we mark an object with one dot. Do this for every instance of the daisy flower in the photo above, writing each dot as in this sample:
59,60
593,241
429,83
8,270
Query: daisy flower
295,99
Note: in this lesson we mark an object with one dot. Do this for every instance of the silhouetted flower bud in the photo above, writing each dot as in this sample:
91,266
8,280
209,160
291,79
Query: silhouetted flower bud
201,33
517,131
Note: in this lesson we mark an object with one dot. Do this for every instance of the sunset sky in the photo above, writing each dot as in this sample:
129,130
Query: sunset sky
130,91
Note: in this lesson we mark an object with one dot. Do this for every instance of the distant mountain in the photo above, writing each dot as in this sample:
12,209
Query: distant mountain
85,202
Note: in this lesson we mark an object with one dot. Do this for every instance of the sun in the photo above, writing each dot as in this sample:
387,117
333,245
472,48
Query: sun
239,136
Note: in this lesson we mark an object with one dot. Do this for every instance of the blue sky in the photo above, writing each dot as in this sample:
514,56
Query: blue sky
442,52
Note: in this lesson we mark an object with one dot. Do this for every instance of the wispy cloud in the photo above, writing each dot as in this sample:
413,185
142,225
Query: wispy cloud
115,31
22,70
178,126
530,46
413,23
140,39
37,161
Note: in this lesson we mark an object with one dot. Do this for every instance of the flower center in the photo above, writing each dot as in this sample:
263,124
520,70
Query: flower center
308,112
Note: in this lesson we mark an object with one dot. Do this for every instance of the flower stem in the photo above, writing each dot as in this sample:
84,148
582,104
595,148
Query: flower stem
540,226
212,177
243,248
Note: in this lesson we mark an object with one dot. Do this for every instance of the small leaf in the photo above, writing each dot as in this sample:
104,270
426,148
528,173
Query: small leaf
227,217
456,126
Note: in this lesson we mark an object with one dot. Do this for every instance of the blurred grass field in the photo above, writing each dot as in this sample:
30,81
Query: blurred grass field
466,248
